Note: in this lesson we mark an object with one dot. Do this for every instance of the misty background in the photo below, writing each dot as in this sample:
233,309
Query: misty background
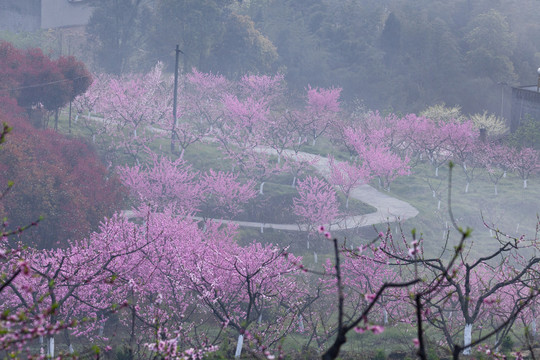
392,55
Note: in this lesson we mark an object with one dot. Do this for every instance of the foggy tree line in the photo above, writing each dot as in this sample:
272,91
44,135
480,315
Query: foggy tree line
390,54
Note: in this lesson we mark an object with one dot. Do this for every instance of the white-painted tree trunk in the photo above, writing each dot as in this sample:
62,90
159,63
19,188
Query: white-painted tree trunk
315,258
496,192
504,174
76,118
385,317
182,150
467,188
533,327
433,193
259,320
293,181
437,171
50,350
347,203
135,132
239,346
279,158
464,166
262,228
71,349
439,205
301,324
299,140
467,338
525,183
261,188
308,244
41,349
313,142
93,138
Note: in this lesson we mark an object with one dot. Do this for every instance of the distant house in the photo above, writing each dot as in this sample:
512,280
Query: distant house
525,105
32,15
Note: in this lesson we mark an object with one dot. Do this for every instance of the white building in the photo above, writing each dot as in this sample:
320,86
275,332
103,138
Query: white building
32,15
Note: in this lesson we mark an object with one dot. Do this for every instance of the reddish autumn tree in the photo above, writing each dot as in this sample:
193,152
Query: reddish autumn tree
59,178
35,80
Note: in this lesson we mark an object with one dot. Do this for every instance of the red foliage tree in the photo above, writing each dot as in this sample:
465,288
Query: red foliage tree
59,178
34,79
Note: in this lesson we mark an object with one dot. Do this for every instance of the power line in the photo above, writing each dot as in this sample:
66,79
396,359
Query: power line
44,84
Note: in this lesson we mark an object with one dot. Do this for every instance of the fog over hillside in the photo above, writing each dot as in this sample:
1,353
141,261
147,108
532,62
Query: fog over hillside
269,179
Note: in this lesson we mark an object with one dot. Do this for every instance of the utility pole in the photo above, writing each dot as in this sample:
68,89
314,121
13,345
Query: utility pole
175,96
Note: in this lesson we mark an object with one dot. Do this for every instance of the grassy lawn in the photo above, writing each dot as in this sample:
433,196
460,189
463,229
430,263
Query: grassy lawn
512,206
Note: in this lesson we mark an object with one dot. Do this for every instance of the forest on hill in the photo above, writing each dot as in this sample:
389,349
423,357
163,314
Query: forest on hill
391,54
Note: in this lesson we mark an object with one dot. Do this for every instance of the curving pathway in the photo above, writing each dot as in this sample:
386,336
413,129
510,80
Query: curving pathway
389,209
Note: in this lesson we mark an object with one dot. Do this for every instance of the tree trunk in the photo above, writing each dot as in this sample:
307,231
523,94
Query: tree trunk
524,183
50,350
239,346
467,187
467,338
56,120
261,189
315,258
437,171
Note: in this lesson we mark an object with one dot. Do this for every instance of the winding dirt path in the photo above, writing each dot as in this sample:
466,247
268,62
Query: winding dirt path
389,209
